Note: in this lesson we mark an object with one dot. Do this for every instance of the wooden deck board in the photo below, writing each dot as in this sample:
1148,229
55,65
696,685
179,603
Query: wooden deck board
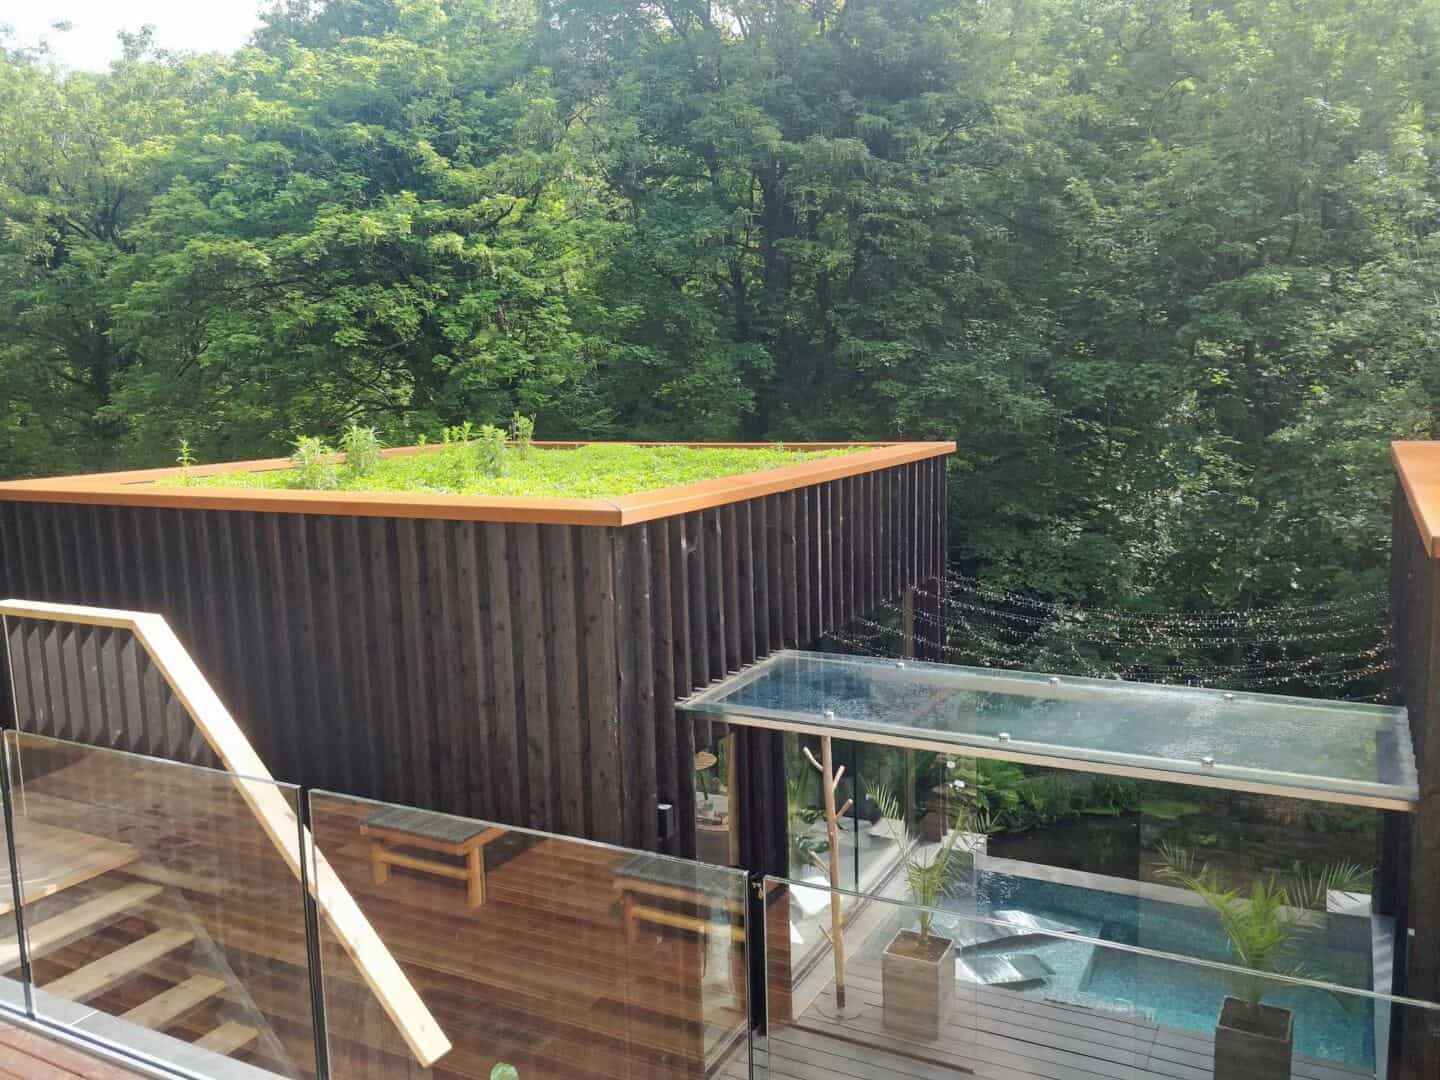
31,1055
995,1035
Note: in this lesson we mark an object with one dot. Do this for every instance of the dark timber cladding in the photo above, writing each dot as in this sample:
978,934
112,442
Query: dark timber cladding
523,673
1413,846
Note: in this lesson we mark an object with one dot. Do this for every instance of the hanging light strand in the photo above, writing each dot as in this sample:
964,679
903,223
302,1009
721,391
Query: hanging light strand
1340,647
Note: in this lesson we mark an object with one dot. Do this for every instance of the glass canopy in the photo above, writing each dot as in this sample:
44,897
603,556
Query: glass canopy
1324,750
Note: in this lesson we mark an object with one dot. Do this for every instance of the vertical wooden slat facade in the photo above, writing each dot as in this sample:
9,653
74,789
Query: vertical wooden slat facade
95,685
524,673
1410,890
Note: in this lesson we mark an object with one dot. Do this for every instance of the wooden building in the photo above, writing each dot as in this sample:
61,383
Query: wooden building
1411,891
511,659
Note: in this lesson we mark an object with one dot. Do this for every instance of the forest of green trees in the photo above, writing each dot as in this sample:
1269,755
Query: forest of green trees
1166,270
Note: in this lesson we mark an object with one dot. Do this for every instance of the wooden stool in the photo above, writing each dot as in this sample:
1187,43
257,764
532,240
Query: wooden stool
397,826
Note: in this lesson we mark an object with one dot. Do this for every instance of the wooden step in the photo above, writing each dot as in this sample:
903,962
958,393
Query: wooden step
100,975
53,859
165,1008
227,1038
55,931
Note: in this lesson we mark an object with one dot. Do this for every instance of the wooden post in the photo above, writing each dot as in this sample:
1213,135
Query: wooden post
830,778
732,801
760,793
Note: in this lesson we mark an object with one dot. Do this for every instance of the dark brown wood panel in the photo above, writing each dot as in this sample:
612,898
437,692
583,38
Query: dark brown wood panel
1414,844
517,672
817,558
95,685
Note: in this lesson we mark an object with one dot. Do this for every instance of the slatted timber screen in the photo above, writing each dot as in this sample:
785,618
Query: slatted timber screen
514,672
97,685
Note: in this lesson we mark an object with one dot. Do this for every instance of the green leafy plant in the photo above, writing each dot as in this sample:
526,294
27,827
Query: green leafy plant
1044,800
597,470
361,446
522,432
987,821
186,461
1310,887
1263,924
1114,795
313,464
997,785
454,464
805,847
490,450
457,433
926,868
504,1071
1169,809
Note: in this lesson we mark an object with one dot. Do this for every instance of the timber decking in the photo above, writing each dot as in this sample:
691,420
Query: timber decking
28,1055
994,1035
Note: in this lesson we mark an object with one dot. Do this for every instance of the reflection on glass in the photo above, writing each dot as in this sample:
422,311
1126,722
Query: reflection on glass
1019,992
13,993
1287,744
578,960
159,916
1285,883
716,840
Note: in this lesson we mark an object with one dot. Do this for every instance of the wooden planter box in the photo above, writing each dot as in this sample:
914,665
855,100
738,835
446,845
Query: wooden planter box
511,659
917,991
1253,1043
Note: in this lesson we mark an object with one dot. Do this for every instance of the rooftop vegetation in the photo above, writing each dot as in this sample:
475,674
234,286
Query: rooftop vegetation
487,460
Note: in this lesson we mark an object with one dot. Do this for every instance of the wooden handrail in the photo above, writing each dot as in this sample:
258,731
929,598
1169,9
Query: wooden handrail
374,961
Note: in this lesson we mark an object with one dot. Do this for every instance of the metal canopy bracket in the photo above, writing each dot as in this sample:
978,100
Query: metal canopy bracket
1326,751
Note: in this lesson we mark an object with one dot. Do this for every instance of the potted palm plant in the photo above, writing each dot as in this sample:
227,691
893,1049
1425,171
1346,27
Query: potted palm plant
1253,1040
917,969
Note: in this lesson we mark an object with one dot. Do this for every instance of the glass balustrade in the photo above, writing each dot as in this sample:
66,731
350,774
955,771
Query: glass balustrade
560,957
159,915
940,991
161,918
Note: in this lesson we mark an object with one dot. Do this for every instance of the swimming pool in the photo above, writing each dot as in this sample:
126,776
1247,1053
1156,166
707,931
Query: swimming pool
1173,993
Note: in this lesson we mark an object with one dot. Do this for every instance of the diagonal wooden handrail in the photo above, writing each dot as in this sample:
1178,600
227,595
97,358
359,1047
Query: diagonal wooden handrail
374,961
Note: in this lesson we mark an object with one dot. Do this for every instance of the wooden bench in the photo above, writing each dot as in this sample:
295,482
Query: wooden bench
399,827
700,889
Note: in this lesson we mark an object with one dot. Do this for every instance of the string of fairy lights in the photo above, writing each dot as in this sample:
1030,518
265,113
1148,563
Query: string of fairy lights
1338,648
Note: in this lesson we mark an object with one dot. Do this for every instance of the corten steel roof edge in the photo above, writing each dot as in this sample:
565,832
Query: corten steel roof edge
138,488
1418,466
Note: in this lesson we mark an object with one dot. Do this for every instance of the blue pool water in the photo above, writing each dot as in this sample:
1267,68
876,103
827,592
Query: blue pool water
1173,993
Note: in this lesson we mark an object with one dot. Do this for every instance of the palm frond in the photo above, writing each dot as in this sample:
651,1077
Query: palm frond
927,872
1310,886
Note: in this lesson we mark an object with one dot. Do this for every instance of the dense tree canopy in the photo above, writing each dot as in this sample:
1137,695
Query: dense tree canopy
1168,272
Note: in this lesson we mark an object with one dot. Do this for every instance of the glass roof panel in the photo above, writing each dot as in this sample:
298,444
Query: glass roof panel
1327,750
